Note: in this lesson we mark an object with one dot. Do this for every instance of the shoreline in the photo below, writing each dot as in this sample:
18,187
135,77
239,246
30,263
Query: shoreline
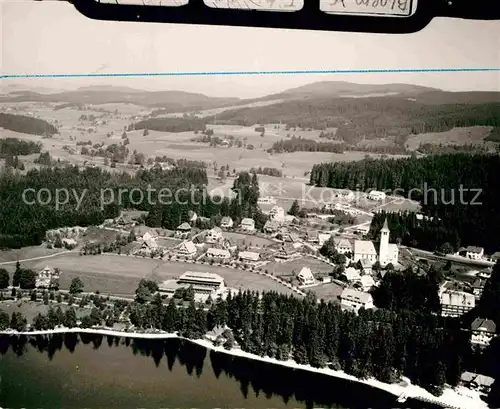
449,399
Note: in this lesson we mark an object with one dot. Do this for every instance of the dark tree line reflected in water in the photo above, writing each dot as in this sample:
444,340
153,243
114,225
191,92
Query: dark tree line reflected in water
254,377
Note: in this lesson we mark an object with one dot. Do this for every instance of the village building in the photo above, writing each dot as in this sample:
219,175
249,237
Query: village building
364,250
277,213
228,244
456,303
183,230
272,227
312,236
226,222
286,252
353,300
48,278
204,284
345,195
248,257
477,382
366,283
472,252
323,238
343,246
495,257
351,275
477,288
288,237
149,244
218,254
214,235
482,332
306,277
186,249
376,195
247,224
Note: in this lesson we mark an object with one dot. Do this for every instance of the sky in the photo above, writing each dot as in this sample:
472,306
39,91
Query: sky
53,38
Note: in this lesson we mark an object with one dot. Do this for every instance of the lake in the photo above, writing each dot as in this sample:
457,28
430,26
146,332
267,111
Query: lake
91,371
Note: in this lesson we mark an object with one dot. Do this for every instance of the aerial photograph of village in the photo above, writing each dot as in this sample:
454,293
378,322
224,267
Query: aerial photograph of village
246,241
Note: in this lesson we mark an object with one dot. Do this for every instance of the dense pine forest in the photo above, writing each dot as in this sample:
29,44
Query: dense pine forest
26,124
435,181
93,195
15,147
369,118
170,124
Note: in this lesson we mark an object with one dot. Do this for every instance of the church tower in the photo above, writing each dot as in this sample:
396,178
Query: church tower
383,255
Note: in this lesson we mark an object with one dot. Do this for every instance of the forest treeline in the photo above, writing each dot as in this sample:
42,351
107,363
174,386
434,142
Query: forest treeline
93,196
306,145
436,181
26,124
368,118
18,147
170,124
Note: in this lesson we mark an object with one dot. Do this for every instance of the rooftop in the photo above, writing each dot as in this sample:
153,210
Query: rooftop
202,276
364,247
360,296
483,324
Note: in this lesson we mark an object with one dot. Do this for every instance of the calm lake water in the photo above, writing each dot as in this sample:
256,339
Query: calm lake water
91,371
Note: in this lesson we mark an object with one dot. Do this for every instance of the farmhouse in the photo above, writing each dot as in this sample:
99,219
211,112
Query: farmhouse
48,278
272,227
149,244
218,254
353,300
286,252
352,275
366,283
481,383
312,236
456,303
186,249
306,277
472,252
183,230
482,332
376,195
226,223
248,225
248,257
214,235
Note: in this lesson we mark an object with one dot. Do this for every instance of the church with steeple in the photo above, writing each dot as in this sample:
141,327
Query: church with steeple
388,253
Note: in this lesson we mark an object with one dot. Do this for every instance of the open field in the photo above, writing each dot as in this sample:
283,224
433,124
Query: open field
27,253
244,240
455,136
327,292
120,275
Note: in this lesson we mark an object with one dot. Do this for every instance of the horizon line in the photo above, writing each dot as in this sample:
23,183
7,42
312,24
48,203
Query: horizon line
268,72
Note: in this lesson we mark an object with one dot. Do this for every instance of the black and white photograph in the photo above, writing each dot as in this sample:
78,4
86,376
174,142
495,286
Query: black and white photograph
202,216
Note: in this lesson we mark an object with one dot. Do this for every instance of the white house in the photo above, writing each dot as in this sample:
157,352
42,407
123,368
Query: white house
183,230
376,195
226,222
47,278
345,195
218,254
343,246
367,283
277,213
306,277
473,252
272,226
248,257
186,249
323,237
353,300
482,332
247,224
352,275
364,250
456,303
214,235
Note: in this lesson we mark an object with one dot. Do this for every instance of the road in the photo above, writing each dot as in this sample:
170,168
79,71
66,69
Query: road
38,258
